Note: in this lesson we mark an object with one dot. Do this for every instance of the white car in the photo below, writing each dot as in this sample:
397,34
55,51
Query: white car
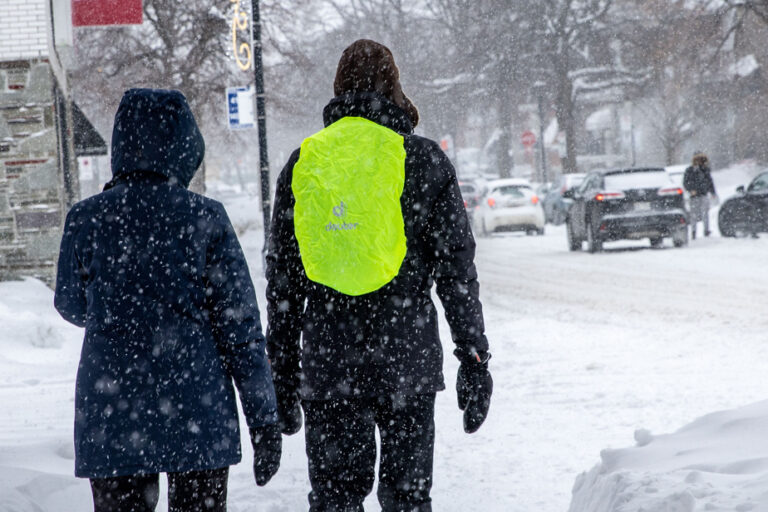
676,174
509,205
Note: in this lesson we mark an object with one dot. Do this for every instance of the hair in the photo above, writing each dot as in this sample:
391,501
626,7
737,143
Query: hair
368,66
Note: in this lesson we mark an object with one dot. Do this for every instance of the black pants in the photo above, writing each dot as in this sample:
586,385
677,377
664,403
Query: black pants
341,447
191,491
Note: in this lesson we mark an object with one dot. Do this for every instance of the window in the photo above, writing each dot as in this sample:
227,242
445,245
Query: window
510,191
759,184
632,180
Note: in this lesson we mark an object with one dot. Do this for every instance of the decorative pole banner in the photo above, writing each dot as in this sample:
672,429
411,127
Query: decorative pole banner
242,51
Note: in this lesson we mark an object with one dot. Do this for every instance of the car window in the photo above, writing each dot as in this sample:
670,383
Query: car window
677,178
588,183
759,184
632,180
509,191
467,189
573,181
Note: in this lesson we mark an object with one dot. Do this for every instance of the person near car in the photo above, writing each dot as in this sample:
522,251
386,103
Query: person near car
367,217
157,277
697,180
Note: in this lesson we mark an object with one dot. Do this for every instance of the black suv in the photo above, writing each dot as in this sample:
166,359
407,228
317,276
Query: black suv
626,204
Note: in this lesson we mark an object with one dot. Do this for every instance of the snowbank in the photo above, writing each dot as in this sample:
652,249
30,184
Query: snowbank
29,320
718,462
38,360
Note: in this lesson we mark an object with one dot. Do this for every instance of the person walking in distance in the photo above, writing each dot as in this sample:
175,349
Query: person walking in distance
367,217
156,276
697,180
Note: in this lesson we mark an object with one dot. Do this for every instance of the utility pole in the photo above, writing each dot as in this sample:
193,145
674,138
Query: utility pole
261,122
538,88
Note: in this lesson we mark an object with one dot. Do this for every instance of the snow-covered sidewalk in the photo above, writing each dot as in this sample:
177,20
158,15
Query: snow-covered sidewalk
586,350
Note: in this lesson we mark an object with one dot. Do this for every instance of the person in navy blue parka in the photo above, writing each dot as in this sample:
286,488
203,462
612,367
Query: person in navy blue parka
157,277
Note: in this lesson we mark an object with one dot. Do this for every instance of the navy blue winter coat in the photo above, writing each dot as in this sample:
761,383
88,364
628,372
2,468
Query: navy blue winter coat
157,277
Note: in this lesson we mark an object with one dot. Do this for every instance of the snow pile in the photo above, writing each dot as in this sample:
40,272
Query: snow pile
718,462
38,360
24,322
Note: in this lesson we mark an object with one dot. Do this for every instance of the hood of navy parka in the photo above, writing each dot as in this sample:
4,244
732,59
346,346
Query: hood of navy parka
156,131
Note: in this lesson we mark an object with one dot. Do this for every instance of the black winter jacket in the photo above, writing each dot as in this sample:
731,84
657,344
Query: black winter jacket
699,180
386,341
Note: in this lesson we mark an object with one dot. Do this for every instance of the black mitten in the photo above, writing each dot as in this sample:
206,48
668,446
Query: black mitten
288,410
474,386
267,447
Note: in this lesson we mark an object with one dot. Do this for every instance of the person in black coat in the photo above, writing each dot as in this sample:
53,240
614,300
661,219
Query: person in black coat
371,359
697,180
157,277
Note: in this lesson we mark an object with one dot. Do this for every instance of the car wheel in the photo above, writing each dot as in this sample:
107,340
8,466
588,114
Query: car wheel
483,229
725,222
540,231
657,241
594,244
573,244
680,237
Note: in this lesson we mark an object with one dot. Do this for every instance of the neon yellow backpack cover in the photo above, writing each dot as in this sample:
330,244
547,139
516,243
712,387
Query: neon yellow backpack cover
348,220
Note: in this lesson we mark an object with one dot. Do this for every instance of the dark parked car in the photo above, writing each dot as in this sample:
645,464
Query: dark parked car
747,212
554,203
626,204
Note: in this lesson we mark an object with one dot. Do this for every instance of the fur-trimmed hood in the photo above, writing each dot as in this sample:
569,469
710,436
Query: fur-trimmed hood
700,160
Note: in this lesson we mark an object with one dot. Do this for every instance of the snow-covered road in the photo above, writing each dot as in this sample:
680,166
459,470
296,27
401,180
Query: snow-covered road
586,349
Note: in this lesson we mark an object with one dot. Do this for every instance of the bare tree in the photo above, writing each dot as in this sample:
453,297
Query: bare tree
675,41
490,40
582,57
181,45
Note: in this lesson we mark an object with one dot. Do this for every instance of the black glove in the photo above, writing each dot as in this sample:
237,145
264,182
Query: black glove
288,410
267,447
474,386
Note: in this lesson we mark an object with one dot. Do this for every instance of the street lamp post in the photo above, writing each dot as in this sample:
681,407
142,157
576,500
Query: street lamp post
261,122
538,89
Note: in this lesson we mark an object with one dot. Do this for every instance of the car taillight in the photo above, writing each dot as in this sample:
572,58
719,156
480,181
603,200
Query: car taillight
491,202
609,196
670,192
465,203
535,200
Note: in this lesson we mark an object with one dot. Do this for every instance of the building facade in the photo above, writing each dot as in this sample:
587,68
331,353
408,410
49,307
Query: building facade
39,126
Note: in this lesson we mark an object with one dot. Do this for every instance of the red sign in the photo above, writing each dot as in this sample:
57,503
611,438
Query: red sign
88,13
529,139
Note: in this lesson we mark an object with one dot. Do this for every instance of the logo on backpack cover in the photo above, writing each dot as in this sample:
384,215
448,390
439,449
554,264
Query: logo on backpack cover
340,211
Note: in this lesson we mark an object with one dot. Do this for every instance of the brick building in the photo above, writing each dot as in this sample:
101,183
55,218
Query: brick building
41,134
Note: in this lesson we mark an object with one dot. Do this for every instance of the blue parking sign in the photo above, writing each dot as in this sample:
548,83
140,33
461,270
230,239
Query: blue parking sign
240,107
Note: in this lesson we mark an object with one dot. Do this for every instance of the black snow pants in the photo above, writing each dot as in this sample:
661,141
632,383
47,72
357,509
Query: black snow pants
341,448
190,491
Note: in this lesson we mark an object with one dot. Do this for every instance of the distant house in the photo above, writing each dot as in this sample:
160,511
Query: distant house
41,134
